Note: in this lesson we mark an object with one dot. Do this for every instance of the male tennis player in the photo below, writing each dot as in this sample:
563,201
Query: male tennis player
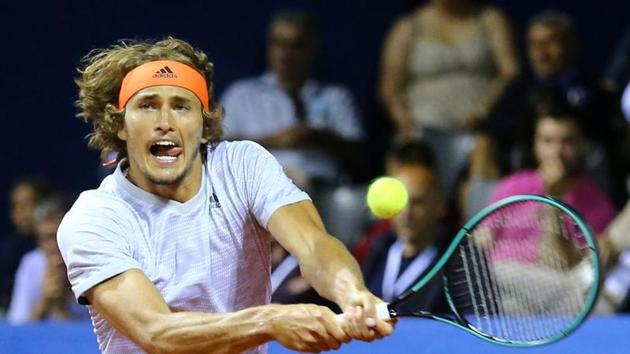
171,252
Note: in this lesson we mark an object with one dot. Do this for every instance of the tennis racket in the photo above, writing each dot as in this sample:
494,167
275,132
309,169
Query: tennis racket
522,272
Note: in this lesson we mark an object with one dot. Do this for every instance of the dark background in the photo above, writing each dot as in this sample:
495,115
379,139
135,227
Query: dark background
43,42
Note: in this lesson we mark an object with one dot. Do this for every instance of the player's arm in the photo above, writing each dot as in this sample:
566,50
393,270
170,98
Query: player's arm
327,265
132,305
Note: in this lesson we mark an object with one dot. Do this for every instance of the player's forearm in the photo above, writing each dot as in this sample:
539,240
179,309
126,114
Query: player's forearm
192,332
333,272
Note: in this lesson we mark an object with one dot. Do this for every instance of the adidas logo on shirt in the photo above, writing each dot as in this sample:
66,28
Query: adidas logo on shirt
214,201
165,72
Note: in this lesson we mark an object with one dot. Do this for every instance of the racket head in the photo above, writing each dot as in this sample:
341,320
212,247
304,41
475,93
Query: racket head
519,297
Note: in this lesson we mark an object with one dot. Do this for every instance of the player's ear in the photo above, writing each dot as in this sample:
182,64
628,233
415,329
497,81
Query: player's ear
122,129
122,133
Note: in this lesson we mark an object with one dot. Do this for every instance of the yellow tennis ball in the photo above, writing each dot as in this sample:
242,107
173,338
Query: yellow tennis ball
387,197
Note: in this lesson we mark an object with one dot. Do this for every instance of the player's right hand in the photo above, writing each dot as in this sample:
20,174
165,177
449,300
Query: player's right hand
307,328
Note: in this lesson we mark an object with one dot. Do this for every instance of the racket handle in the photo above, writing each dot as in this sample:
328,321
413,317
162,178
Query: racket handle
382,312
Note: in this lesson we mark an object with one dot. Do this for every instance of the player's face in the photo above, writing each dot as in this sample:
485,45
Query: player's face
549,53
163,131
425,208
558,141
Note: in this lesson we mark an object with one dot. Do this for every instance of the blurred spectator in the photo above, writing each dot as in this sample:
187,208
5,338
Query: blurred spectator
313,129
559,147
402,255
552,49
552,46
444,66
617,74
24,195
42,290
402,153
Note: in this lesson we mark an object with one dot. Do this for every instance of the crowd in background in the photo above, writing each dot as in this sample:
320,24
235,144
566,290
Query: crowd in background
470,122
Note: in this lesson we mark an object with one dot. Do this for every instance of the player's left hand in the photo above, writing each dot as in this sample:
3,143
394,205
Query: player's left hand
360,319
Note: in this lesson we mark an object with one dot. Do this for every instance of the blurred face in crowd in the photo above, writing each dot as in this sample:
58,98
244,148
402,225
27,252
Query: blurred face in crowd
23,199
559,142
46,231
418,222
163,133
549,51
290,52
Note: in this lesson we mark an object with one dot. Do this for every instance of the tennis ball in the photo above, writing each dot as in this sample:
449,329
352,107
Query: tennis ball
386,197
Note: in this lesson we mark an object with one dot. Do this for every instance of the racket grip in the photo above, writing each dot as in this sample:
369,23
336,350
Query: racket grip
382,312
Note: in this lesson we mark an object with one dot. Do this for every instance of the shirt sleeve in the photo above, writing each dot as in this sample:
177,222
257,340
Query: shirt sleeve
92,241
267,187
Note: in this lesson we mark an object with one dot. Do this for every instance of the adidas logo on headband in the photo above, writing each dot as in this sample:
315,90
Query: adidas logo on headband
165,72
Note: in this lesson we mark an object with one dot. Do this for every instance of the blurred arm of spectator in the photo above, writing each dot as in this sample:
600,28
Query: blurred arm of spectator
501,36
625,102
615,251
618,231
484,174
393,76
53,302
618,71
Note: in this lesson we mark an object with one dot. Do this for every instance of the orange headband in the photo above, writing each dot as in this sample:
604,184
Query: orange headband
163,73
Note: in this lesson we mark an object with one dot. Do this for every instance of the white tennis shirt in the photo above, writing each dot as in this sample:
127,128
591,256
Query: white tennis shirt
209,254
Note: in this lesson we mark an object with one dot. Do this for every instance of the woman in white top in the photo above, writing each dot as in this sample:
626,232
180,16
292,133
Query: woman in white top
444,66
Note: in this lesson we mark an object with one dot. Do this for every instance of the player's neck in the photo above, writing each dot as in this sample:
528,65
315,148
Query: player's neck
181,191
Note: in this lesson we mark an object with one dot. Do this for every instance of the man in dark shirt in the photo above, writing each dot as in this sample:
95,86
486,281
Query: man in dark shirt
406,252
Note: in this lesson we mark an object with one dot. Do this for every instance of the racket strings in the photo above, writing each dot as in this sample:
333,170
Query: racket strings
522,274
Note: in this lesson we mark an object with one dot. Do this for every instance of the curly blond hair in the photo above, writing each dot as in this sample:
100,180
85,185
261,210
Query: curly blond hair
102,75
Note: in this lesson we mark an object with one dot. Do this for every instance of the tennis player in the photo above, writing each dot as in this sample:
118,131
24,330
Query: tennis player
171,252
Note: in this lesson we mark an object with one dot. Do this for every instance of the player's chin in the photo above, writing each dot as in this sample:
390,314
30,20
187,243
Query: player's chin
166,176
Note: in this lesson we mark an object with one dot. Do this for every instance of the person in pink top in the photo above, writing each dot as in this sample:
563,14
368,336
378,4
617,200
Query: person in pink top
559,148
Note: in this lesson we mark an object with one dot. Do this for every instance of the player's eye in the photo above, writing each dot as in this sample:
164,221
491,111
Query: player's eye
146,105
181,107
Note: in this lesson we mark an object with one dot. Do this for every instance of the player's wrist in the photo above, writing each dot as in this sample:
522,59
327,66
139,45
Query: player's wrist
352,297
271,317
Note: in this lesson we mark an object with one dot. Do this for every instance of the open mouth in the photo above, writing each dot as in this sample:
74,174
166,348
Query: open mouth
165,150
